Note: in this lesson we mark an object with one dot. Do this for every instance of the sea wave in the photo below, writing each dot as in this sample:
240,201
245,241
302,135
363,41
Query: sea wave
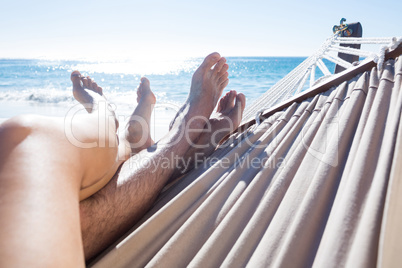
38,96
64,98
138,67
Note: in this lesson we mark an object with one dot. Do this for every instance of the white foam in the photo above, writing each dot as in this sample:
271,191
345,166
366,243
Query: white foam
139,67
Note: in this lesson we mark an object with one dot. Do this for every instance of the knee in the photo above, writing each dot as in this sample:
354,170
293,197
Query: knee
16,129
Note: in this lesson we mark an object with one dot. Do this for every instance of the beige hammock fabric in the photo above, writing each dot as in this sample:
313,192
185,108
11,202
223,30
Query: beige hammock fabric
307,187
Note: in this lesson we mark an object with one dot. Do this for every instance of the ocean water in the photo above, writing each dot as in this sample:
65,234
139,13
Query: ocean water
44,86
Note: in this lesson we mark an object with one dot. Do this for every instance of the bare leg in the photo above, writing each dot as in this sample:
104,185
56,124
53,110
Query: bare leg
131,192
137,132
41,174
104,124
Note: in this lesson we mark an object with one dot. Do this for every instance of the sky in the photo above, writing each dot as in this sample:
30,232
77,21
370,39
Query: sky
169,29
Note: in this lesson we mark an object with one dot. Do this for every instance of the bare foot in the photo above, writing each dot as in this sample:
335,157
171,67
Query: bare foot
89,94
144,92
226,119
86,91
137,131
228,114
207,85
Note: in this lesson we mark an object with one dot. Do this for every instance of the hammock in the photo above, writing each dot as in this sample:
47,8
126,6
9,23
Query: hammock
324,193
294,82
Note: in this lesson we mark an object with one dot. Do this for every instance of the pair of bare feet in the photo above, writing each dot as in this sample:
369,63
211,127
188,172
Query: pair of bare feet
207,85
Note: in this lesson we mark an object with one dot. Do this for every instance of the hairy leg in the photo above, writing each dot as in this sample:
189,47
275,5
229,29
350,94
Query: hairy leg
109,213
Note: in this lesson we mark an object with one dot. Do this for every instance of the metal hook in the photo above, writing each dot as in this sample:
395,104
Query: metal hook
342,29
342,20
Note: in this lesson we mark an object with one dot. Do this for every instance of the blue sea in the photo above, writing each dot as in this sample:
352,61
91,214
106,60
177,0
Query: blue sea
44,86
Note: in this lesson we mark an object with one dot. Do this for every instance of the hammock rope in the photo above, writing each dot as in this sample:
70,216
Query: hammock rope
294,82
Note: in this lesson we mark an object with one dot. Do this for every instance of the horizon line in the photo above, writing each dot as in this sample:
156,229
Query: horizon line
134,58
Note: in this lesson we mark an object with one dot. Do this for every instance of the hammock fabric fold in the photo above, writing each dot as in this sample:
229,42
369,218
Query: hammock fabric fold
305,188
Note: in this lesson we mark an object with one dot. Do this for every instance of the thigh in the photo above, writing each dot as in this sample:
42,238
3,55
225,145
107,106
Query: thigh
38,202
96,144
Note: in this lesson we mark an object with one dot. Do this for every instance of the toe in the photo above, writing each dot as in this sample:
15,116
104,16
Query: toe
218,67
85,82
223,78
224,69
241,100
236,113
75,74
210,60
94,86
90,81
145,82
223,102
231,99
76,79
